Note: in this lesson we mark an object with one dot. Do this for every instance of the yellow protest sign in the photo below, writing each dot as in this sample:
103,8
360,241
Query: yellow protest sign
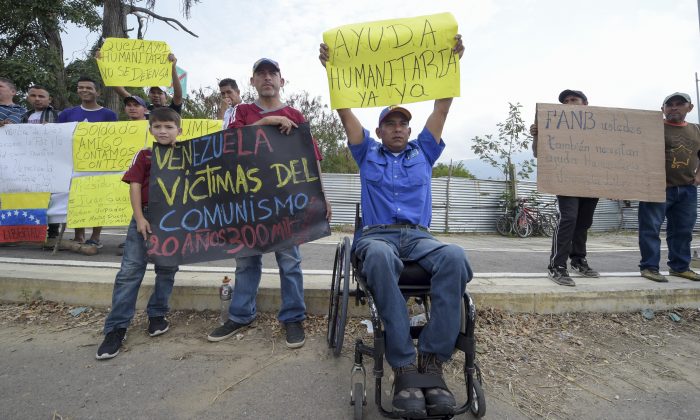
135,62
194,128
392,62
107,146
99,201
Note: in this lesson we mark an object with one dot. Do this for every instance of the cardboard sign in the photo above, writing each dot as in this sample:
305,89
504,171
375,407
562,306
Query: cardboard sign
107,146
35,157
588,151
99,201
234,193
135,62
392,62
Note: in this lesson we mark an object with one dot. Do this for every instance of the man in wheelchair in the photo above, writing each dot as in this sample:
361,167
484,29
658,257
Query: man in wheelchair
396,212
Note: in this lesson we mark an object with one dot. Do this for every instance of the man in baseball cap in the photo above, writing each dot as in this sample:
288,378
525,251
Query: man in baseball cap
576,217
682,145
135,108
156,94
268,109
396,203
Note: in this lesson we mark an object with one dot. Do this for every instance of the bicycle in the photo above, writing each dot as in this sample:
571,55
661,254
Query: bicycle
529,220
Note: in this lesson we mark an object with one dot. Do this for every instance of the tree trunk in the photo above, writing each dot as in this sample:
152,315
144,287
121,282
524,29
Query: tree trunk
113,26
53,37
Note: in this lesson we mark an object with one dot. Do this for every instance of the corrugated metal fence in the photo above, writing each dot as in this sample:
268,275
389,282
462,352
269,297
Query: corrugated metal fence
470,205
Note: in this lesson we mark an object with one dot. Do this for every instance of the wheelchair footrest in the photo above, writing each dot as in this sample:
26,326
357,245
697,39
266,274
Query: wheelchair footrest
419,380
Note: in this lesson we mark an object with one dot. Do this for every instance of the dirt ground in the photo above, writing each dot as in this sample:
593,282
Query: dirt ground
615,366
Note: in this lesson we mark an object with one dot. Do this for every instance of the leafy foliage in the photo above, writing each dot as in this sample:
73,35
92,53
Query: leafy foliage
513,137
327,130
30,46
458,170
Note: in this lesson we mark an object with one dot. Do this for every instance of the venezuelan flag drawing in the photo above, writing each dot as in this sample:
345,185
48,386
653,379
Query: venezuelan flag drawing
23,217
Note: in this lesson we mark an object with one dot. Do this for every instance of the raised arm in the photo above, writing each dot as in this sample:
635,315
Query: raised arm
177,87
436,120
353,127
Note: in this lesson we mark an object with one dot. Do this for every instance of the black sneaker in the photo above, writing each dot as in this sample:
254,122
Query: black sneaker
157,325
438,401
227,330
407,402
111,344
560,276
295,335
581,266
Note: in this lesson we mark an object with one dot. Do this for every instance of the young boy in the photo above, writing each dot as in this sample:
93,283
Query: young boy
165,127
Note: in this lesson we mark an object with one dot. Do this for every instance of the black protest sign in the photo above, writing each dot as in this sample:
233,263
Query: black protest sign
234,193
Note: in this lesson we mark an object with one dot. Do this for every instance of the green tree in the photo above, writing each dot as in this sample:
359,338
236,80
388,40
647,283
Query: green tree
31,50
327,130
513,137
455,170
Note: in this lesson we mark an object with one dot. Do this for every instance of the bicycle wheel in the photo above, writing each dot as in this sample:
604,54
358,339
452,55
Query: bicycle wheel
547,225
503,225
522,225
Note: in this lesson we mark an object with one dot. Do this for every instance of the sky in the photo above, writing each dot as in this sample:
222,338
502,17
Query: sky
622,53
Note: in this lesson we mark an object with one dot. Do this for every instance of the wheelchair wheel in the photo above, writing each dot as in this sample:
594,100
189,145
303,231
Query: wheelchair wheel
333,299
358,398
340,295
478,407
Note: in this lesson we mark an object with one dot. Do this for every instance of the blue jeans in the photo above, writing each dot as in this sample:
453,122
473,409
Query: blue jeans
680,210
245,287
128,281
382,251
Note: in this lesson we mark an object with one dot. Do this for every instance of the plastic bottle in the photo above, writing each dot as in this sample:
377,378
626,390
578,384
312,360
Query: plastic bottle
225,291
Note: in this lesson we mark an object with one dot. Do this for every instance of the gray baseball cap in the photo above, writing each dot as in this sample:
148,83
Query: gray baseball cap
681,95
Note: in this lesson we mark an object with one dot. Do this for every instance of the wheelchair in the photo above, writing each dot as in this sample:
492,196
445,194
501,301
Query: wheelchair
414,282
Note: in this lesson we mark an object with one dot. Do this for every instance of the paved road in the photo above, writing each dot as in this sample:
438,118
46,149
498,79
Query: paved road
608,252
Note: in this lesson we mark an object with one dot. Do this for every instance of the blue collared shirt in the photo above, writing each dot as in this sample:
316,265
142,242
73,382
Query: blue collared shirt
396,189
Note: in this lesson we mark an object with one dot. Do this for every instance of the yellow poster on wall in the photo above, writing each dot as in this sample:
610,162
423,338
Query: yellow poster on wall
101,200
107,146
135,62
392,62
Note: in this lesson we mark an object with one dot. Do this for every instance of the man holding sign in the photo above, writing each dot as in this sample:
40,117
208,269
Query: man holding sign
575,218
268,109
396,212
682,145
156,94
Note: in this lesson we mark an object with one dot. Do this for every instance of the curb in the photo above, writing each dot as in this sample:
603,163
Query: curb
198,290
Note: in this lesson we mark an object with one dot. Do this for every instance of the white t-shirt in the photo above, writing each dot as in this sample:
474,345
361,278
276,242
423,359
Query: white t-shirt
35,118
229,116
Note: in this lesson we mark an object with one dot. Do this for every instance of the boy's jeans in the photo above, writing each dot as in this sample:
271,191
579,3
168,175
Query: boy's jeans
128,281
